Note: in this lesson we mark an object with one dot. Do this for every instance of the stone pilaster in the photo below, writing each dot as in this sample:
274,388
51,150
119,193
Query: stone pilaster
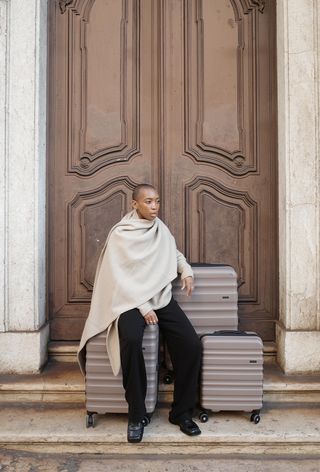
298,335
23,76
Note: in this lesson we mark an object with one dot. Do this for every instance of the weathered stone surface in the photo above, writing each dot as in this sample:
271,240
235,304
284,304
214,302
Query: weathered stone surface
289,429
299,185
24,352
21,461
298,351
23,92
63,382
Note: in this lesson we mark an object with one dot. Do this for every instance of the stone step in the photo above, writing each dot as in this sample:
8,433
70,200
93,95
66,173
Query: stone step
285,429
63,382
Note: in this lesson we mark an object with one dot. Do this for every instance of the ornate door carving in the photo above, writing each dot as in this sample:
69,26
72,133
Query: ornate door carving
180,93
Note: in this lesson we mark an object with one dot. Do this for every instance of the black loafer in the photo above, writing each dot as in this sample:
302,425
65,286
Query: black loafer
135,432
187,426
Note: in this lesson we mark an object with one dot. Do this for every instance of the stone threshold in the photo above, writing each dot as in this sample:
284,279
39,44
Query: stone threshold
285,429
66,351
63,382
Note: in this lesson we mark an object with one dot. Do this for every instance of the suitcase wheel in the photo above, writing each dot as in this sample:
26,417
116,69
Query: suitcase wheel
168,378
90,420
255,418
146,419
203,417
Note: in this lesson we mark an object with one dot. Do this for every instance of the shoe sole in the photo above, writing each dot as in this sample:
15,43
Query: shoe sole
134,440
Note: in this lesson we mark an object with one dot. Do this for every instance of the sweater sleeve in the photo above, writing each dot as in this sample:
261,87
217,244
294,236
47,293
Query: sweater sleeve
145,308
183,267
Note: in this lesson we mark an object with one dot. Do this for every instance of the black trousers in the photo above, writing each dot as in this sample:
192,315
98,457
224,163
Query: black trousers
185,351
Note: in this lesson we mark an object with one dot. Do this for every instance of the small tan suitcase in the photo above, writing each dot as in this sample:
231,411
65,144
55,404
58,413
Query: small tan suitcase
232,373
104,391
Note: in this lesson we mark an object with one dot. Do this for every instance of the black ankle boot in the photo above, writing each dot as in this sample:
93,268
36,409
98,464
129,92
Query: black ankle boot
135,432
187,426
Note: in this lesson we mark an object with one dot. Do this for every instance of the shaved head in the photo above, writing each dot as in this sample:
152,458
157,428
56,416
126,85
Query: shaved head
146,201
139,188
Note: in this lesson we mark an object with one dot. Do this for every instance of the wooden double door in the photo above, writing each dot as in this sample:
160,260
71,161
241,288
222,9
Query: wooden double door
180,94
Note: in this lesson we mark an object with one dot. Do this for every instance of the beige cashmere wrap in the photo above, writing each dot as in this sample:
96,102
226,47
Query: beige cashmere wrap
138,259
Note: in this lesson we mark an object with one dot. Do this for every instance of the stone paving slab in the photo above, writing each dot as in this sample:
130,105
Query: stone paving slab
30,462
293,429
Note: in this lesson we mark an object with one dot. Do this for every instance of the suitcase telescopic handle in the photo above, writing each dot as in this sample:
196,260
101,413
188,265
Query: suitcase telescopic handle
230,332
205,264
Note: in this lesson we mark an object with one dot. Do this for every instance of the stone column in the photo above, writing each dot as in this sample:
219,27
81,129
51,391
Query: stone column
23,50
298,333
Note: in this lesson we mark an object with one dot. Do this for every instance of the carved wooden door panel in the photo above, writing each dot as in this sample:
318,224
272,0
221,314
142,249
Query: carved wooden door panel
219,127
101,141
180,93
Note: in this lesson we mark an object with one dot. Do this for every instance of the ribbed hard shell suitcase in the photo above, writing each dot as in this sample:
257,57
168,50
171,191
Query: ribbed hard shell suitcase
213,304
232,373
104,391
214,301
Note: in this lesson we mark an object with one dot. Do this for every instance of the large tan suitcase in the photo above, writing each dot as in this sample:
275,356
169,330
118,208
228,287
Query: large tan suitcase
214,301
232,373
104,391
212,306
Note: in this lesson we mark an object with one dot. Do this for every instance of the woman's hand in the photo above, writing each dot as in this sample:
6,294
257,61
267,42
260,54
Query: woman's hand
188,284
151,317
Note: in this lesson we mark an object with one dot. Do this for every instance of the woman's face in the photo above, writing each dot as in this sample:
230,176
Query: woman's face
147,204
